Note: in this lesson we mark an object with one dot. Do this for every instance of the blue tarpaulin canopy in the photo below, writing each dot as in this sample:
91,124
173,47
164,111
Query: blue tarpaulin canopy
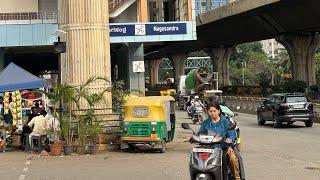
14,78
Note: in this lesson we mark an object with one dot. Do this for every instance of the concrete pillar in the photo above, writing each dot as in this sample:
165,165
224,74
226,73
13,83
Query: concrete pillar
143,15
136,80
178,65
159,4
220,60
1,59
301,49
155,64
88,45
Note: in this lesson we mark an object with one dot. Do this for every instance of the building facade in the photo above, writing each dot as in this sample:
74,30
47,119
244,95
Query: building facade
271,47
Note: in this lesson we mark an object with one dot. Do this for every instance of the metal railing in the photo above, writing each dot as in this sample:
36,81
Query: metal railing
203,9
28,17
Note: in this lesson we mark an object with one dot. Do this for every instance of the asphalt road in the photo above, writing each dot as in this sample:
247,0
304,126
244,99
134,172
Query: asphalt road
269,154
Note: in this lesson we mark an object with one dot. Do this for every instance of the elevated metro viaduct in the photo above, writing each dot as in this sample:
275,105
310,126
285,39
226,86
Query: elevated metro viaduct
294,23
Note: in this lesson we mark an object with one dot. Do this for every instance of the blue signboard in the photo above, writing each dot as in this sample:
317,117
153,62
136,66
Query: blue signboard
148,29
121,30
166,29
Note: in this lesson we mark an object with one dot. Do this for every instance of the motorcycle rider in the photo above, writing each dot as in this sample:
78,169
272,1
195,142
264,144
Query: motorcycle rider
197,103
219,124
189,106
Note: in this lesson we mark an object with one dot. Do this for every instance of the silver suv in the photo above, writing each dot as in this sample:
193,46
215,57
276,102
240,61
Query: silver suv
286,108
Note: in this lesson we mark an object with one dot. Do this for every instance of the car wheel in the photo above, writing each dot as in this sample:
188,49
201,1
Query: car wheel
309,123
261,122
276,122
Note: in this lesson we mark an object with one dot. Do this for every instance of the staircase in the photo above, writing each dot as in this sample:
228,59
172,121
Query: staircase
116,7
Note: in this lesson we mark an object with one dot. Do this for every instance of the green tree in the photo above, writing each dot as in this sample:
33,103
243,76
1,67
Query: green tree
251,58
198,54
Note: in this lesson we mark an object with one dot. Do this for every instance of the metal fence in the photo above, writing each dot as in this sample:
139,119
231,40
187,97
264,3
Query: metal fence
28,17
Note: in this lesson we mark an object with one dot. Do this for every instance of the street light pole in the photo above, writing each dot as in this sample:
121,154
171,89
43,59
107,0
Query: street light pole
243,66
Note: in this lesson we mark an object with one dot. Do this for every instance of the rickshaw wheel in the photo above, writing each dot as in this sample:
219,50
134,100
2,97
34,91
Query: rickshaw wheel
131,147
163,146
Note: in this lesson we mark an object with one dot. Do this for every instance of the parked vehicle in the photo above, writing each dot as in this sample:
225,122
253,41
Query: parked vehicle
148,121
286,108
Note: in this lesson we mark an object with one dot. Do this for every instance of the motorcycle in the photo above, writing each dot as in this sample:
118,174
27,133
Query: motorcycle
206,162
197,115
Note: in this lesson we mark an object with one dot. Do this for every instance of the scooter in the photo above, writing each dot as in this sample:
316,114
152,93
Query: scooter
197,115
206,161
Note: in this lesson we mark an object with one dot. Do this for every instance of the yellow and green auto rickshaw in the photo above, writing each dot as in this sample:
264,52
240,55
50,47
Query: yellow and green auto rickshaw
148,121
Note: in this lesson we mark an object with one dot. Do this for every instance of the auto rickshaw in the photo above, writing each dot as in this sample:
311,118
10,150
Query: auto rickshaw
148,121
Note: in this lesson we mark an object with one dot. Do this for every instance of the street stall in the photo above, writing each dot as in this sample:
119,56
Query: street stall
15,85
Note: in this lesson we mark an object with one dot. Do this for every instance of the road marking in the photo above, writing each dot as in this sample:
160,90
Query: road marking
22,177
25,169
28,162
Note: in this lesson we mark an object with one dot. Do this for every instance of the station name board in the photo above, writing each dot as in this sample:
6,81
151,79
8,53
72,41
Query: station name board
148,29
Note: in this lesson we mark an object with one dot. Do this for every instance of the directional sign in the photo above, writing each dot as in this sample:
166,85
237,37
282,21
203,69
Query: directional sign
138,66
147,29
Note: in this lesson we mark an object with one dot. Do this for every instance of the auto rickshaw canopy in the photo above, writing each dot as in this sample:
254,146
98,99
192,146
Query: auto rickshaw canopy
151,108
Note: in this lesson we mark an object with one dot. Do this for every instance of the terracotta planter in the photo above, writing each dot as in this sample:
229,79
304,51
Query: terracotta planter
55,149
81,149
68,149
94,149
102,139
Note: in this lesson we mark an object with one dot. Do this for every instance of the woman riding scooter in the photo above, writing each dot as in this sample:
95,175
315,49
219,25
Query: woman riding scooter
219,124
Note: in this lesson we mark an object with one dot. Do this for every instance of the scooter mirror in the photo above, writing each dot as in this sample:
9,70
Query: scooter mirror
185,126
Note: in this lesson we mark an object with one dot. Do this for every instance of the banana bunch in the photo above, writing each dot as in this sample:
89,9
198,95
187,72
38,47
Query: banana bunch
16,106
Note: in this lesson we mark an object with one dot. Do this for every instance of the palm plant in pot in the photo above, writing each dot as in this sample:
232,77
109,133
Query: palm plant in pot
61,94
82,132
93,132
67,132
55,142
88,127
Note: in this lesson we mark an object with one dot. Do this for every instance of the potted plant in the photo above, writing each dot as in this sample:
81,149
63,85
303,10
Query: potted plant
61,96
88,126
82,133
93,131
55,143
67,132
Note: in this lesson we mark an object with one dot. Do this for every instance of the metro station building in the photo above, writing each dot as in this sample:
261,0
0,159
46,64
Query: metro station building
103,38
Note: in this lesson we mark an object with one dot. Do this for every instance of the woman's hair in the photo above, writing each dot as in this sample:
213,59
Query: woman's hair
215,105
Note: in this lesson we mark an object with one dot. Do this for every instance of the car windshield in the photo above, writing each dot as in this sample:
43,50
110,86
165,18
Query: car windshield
296,99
